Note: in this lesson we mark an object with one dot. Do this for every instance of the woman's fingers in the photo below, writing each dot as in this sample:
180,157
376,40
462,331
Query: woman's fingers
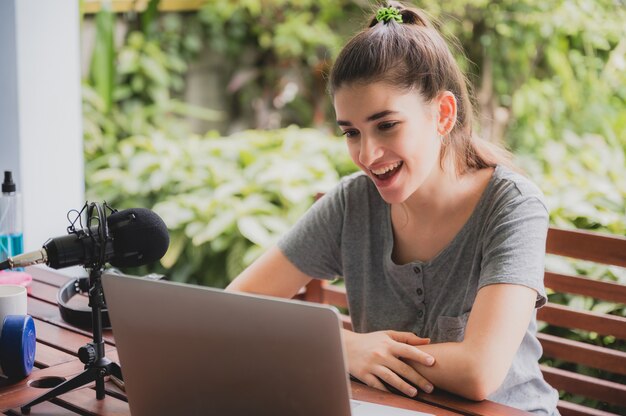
373,381
408,373
382,357
407,338
394,380
411,353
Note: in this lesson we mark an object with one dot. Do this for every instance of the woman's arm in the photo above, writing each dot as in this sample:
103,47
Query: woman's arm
274,275
477,366
271,274
473,368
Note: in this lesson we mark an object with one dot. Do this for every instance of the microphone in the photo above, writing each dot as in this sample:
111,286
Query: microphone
138,236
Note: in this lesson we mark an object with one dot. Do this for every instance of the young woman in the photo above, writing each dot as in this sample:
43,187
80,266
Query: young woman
440,242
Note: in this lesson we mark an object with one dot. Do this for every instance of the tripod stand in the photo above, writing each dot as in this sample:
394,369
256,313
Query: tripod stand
97,366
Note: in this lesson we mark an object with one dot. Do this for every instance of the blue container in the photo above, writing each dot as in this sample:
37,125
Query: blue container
18,343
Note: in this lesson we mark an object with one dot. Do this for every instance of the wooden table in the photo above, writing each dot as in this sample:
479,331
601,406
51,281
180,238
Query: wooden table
56,356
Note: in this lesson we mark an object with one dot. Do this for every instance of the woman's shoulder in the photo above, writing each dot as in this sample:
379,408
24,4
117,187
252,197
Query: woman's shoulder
511,187
355,192
356,185
355,180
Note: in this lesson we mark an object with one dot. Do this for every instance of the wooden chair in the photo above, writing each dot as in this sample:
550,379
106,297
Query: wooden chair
581,245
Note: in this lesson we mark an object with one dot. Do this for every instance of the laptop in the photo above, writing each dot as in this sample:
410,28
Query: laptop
195,350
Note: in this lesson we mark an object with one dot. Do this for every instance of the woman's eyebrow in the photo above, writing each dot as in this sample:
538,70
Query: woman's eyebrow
380,114
373,117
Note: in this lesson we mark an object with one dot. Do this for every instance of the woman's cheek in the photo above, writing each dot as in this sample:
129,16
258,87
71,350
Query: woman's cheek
353,150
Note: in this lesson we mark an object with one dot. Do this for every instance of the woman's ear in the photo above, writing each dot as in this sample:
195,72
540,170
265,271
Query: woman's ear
447,113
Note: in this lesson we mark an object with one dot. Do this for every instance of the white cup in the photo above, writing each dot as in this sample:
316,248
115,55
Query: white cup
12,301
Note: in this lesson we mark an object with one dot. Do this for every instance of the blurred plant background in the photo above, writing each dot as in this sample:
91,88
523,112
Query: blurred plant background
218,119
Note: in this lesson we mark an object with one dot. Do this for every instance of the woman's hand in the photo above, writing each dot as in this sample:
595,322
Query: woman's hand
380,356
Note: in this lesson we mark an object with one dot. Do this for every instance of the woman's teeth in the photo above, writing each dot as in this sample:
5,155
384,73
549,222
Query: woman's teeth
382,171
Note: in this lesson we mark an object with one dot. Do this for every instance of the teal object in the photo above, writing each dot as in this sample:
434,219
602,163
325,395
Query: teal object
17,243
5,246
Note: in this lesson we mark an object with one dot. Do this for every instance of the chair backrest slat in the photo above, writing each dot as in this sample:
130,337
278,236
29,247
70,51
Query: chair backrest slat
573,409
589,355
584,245
335,295
603,390
610,291
566,317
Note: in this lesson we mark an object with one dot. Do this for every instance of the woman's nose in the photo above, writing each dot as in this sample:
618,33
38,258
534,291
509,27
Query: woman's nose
370,151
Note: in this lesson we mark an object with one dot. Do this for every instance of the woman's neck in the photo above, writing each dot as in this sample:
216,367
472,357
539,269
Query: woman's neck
441,193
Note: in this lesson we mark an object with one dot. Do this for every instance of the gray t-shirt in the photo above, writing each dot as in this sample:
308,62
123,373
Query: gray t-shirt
348,233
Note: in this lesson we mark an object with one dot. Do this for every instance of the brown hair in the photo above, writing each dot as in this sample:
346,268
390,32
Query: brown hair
414,55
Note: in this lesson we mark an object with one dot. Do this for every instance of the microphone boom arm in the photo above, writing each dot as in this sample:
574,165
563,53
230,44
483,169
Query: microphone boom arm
27,259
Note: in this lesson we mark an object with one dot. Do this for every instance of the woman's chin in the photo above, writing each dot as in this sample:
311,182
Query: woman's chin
390,189
393,196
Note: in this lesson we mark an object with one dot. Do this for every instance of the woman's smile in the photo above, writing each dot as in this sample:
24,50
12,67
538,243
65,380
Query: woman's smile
384,176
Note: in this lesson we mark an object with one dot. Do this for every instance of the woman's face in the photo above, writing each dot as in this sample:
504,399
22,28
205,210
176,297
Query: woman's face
391,135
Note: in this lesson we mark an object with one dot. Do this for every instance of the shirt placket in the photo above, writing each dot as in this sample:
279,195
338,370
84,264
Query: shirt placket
420,314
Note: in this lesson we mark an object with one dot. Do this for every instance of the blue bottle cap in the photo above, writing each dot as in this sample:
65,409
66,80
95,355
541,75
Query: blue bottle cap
17,346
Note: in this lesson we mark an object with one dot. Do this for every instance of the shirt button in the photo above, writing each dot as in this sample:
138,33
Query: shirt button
417,270
419,292
420,313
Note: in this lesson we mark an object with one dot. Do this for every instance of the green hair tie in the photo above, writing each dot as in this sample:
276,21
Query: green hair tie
385,14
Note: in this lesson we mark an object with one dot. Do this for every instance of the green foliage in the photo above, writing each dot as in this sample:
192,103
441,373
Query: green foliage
543,68
278,52
583,179
224,199
148,73
102,71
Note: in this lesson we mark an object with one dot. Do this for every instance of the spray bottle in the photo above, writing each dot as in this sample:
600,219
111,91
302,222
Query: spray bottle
11,236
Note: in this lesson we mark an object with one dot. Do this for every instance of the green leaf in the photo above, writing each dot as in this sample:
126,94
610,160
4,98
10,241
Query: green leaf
251,228
216,226
177,245
102,69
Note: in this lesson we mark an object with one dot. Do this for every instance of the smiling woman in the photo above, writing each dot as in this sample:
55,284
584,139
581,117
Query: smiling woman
378,140
440,242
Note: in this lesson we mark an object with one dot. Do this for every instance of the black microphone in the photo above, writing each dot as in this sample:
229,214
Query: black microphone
138,236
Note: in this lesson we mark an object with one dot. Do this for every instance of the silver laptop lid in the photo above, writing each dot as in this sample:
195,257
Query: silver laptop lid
199,351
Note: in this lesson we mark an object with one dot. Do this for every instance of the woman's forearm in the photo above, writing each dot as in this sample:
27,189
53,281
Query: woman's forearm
460,369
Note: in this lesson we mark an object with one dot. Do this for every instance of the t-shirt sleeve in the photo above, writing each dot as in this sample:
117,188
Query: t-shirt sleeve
313,245
514,247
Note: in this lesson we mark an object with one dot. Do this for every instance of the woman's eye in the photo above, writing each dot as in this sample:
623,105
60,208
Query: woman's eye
387,125
350,133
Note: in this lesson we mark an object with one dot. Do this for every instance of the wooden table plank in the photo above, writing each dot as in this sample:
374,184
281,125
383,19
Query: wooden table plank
369,394
47,356
14,395
84,400
48,275
44,291
62,339
43,409
17,394
50,313
446,400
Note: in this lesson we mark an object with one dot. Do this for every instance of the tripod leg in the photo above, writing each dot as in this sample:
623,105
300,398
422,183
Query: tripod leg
100,388
86,377
116,371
